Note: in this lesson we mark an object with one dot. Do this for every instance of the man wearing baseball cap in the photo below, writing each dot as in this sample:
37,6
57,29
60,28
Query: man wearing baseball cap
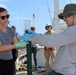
65,60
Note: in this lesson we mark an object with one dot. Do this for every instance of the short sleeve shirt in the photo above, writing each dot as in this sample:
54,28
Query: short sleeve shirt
5,39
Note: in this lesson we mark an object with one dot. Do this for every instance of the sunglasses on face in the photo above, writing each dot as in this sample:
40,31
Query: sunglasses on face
3,17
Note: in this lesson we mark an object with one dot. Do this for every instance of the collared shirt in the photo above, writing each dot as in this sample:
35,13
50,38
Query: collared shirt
48,48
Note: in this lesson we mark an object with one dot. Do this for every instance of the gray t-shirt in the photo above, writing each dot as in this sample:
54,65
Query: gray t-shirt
6,38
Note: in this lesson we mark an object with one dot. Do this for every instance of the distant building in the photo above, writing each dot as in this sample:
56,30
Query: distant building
27,24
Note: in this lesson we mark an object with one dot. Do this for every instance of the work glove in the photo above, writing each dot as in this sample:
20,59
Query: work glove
21,44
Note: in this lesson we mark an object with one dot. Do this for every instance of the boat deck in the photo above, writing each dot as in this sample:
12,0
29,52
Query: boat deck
40,71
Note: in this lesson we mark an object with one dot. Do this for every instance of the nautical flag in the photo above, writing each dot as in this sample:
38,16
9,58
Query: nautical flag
33,15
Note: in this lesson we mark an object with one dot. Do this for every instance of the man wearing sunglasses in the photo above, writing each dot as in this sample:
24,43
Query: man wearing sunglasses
7,36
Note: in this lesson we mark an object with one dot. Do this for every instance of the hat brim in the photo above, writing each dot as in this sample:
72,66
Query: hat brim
66,14
48,26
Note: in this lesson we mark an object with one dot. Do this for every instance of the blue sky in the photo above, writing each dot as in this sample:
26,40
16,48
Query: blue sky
20,10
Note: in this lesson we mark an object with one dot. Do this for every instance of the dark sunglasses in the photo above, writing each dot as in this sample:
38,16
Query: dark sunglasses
3,17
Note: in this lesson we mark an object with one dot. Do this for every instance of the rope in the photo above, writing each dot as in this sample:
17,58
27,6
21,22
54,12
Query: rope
48,10
52,20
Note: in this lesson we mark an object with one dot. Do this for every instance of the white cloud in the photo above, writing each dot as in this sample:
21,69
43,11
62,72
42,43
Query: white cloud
11,12
3,5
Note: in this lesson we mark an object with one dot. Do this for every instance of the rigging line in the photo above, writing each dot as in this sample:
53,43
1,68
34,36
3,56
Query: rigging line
49,10
34,13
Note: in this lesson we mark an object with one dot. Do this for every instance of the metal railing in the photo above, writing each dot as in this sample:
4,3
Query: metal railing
29,58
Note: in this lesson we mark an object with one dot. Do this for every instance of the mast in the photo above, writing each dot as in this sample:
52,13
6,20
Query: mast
56,12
